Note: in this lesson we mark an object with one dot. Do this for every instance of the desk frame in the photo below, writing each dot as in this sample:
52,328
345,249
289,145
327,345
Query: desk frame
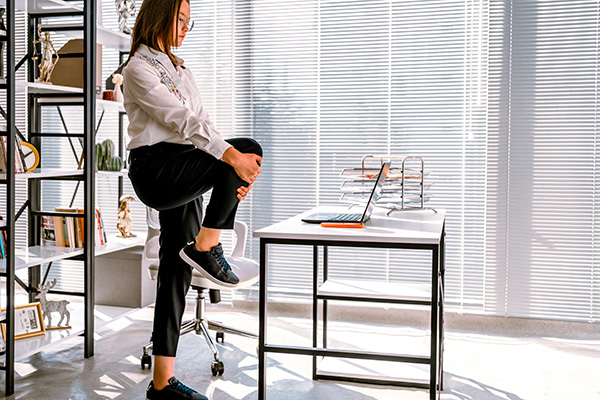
435,359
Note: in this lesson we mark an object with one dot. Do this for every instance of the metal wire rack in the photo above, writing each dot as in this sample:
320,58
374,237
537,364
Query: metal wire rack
404,188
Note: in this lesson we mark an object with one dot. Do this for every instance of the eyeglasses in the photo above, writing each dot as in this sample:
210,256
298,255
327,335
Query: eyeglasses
183,21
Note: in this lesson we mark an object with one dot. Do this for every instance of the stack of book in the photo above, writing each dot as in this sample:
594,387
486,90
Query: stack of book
3,239
69,231
20,165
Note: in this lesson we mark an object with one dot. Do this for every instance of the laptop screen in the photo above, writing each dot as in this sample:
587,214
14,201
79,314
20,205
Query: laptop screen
376,192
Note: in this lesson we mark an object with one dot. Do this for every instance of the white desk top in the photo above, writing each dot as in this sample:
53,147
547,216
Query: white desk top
406,227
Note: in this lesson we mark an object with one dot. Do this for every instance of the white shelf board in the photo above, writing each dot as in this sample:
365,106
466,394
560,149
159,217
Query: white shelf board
371,369
364,289
116,243
46,88
103,315
109,105
104,36
100,104
45,173
36,255
46,6
108,174
113,39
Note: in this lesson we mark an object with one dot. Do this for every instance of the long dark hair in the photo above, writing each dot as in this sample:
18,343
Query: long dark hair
154,26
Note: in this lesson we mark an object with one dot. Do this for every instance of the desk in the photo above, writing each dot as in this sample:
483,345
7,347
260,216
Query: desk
421,230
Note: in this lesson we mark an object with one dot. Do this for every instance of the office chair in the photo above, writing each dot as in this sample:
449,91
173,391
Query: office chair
247,271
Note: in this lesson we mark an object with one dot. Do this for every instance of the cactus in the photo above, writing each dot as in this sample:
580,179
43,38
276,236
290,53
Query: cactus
109,148
114,163
105,158
99,156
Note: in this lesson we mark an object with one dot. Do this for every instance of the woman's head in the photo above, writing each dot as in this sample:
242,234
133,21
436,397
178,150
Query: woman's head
161,24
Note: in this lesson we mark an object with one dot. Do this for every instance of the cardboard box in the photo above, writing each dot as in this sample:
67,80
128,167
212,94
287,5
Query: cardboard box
69,71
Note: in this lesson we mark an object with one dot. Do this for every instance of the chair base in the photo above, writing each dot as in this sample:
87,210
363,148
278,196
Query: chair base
200,325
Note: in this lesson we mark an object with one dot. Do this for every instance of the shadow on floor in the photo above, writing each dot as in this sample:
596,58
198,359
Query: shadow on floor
468,389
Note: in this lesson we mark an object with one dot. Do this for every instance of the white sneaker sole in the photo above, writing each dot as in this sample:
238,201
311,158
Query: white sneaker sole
202,272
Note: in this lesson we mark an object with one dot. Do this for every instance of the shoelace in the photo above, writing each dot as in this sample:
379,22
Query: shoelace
218,253
180,387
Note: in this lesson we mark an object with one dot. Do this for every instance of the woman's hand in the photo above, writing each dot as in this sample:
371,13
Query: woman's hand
242,192
246,165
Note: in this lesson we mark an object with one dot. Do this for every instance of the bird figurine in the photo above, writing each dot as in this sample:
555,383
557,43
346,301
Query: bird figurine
124,217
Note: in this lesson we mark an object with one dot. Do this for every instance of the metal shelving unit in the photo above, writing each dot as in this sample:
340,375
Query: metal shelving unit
39,95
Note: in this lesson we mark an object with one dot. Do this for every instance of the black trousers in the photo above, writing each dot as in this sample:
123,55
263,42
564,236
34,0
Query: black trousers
171,178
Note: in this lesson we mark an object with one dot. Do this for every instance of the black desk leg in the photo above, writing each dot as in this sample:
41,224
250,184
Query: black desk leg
441,316
434,371
315,307
325,277
262,330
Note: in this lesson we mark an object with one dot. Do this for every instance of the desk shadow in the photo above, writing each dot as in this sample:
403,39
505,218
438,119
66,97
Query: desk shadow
467,389
297,386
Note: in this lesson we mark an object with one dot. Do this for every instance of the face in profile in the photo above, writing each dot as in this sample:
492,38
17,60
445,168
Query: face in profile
182,24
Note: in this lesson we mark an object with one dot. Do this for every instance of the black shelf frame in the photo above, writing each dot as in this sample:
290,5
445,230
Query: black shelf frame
34,195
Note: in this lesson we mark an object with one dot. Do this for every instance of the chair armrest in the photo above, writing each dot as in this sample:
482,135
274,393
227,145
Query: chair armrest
241,232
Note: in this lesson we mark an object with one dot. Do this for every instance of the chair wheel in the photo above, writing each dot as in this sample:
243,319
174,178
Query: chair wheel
217,368
221,337
146,361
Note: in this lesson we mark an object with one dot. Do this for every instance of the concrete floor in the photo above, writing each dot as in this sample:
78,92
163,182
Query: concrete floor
481,366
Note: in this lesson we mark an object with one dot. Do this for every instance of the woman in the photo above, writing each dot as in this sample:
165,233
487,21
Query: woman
176,155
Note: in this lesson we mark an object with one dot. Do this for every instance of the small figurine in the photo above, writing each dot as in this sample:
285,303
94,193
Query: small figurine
125,9
124,216
118,81
50,306
47,63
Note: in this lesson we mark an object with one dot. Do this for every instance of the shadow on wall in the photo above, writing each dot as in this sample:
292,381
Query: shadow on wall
465,388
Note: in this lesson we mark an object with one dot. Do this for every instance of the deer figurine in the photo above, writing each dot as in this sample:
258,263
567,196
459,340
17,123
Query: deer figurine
50,306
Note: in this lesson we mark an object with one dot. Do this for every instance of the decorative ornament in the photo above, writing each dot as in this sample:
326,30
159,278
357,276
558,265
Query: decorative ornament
124,217
47,61
50,306
118,81
125,9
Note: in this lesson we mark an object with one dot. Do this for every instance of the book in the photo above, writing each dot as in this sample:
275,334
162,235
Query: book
2,247
3,168
20,165
79,223
48,234
102,230
59,231
99,237
68,227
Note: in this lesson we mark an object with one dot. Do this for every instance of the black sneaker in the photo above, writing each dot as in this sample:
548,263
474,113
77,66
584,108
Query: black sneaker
211,264
175,391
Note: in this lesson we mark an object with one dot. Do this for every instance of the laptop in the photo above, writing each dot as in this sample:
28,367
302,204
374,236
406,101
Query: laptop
343,217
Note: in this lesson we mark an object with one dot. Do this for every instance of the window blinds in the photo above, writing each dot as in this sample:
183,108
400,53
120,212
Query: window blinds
542,160
322,83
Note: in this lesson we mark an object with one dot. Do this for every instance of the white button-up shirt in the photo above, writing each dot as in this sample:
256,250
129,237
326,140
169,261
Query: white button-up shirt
163,104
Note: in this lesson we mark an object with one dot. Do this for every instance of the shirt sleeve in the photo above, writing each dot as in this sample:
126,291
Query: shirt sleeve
143,87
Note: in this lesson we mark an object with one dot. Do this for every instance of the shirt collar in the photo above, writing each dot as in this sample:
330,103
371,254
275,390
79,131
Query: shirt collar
162,57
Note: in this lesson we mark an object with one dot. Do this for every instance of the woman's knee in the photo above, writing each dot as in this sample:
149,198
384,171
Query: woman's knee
246,145
256,148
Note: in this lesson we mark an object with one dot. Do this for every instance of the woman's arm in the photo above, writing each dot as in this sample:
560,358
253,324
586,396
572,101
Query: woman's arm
143,87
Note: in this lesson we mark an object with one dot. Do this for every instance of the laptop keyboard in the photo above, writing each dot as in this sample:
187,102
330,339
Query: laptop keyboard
347,218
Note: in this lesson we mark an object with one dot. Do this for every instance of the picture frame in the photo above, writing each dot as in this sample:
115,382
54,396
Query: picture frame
28,321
